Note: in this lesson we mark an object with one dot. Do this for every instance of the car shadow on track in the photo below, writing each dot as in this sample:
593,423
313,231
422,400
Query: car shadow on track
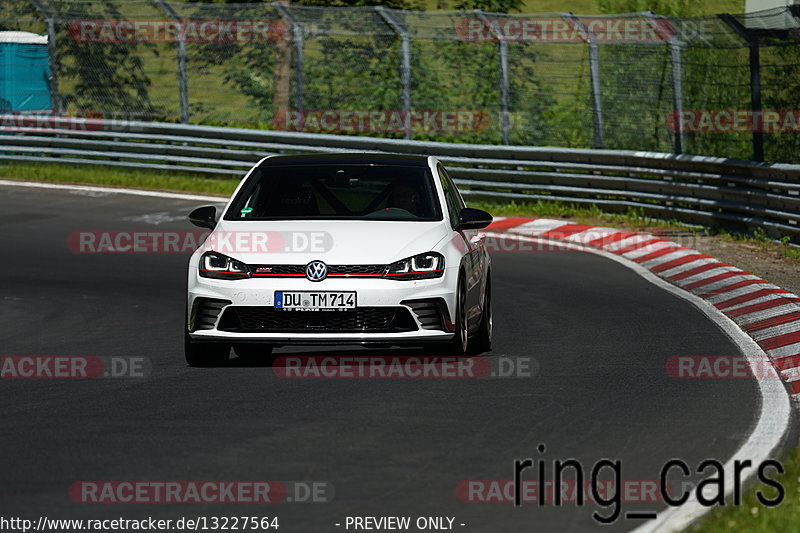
345,355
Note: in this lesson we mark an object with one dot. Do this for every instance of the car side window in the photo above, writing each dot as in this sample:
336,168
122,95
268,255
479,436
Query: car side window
449,195
456,194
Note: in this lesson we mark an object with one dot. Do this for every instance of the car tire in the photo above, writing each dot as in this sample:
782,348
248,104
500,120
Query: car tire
254,352
482,342
460,342
205,353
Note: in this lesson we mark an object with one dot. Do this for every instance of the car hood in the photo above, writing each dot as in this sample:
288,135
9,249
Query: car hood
337,242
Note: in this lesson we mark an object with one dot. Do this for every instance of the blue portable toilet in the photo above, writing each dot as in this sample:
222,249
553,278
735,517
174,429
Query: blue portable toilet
24,72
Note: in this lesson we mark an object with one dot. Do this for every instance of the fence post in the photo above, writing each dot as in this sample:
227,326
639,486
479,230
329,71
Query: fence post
55,98
405,67
503,44
299,59
183,86
594,73
677,78
755,83
755,90
677,93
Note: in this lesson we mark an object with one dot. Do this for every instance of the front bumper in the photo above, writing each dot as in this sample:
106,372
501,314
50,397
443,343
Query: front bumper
227,296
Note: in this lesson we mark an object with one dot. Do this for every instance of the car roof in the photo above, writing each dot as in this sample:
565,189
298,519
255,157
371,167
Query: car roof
348,158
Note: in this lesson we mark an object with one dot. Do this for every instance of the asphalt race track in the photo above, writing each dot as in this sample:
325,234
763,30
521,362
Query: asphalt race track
600,334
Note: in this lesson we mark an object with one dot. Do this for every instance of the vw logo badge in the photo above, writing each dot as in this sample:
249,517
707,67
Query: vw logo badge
316,271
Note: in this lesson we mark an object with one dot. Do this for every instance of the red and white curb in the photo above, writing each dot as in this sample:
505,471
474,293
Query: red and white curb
766,312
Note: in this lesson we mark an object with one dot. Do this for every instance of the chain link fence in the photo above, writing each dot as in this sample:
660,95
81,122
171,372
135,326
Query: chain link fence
726,85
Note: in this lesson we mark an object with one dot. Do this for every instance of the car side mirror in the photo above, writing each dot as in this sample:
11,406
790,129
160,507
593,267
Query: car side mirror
204,217
470,218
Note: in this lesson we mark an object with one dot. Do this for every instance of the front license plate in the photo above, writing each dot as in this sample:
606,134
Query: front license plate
314,301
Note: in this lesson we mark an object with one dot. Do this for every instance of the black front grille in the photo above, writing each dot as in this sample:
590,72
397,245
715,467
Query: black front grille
356,270
300,270
252,319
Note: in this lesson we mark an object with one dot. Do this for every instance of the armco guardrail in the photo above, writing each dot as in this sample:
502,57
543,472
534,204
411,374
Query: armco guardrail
694,189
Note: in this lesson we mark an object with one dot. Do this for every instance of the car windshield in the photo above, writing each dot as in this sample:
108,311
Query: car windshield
337,191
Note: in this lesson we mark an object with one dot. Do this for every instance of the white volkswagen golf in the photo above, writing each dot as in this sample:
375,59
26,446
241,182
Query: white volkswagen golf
377,250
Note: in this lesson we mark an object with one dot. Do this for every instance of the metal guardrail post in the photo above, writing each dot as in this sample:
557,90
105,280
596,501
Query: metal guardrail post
405,67
55,98
183,85
755,82
299,58
503,44
594,73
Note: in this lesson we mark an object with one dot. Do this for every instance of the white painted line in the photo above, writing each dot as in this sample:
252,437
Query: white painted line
686,267
761,300
538,226
114,190
649,249
758,316
593,234
775,331
667,258
785,351
733,280
774,414
742,291
706,275
630,241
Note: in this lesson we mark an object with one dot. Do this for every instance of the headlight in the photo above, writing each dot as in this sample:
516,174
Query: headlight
422,266
217,266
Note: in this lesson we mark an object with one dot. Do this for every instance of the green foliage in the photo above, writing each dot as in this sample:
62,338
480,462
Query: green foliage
780,74
667,8
119,177
493,6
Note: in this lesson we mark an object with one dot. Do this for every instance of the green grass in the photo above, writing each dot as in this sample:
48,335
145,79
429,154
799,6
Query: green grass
753,517
118,177
583,214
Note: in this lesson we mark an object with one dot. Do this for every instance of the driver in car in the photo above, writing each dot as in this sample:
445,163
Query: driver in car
405,196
